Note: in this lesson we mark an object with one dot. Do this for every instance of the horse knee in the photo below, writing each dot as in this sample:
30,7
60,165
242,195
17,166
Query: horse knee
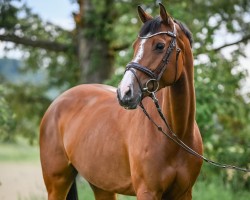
56,196
148,195
58,185
58,189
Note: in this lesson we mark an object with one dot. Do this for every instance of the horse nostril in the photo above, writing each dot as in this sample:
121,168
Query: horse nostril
127,98
128,94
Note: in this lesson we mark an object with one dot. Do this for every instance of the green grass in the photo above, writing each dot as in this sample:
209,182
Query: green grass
215,189
212,188
18,152
205,189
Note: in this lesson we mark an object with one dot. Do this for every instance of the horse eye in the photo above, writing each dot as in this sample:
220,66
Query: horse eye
160,46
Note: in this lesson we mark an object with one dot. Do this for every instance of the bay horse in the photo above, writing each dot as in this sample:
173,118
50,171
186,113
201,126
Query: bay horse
86,130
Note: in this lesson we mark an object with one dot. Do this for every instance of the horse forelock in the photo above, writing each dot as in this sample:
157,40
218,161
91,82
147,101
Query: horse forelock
152,26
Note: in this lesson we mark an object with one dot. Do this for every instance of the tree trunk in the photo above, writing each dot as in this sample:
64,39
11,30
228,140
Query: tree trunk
94,58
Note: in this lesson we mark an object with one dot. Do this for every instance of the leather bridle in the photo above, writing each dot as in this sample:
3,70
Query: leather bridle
156,74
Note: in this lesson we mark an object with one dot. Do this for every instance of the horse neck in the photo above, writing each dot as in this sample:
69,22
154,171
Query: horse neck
179,106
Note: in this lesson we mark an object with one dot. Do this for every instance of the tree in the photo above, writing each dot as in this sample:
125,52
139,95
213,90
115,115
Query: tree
100,45
89,46
100,33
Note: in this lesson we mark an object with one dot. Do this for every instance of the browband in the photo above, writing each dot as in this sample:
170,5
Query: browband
169,33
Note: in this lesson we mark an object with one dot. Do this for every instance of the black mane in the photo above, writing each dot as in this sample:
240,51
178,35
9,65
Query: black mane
152,26
186,30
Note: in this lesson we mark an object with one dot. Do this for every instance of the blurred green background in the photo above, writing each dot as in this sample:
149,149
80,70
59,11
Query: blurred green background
96,47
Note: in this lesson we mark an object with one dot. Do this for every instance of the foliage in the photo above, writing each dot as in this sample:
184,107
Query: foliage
223,114
215,188
29,104
7,119
20,21
24,99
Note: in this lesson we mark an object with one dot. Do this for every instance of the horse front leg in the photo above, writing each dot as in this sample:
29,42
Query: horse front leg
177,195
101,194
144,193
147,196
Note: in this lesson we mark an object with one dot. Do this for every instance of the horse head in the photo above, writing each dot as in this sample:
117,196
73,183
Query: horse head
157,60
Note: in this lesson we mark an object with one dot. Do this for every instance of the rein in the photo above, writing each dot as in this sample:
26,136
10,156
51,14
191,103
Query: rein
155,76
171,135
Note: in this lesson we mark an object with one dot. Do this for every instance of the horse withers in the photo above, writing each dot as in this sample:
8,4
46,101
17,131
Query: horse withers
86,130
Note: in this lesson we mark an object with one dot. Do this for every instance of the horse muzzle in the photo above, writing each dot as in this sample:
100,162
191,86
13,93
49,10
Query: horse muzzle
128,99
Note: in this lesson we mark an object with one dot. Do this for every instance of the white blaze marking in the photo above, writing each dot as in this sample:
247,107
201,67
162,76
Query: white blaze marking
128,78
126,82
140,52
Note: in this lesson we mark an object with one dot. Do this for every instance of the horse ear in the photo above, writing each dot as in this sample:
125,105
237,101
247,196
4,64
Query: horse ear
143,15
163,13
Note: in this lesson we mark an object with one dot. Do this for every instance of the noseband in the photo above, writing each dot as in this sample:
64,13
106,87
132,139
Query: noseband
156,75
